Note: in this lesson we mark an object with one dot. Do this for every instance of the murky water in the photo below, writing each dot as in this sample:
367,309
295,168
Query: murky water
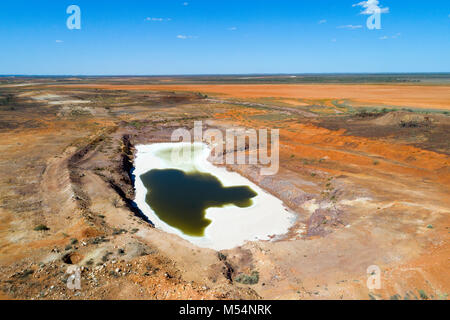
180,199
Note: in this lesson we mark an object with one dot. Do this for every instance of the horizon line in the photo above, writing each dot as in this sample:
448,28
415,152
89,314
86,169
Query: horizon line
228,74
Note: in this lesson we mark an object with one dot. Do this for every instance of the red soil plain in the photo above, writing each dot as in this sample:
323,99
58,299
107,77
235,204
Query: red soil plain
415,96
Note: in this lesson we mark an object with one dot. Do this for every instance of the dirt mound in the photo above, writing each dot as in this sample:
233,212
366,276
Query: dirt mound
72,258
404,118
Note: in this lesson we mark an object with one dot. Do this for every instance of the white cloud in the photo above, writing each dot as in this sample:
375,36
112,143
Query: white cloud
322,21
395,36
333,40
185,4
184,37
232,29
59,41
158,19
350,26
371,7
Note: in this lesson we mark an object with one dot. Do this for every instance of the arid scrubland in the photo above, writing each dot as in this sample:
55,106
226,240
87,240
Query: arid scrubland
364,167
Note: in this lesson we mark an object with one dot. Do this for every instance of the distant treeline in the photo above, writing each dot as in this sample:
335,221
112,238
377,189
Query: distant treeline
435,78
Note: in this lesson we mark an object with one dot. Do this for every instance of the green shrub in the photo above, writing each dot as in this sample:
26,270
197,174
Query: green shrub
119,231
221,256
41,227
246,279
423,295
24,274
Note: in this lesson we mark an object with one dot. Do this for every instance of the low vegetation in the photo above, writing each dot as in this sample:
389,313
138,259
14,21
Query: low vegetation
41,227
248,279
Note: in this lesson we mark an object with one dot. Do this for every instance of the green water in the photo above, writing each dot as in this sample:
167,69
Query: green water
180,199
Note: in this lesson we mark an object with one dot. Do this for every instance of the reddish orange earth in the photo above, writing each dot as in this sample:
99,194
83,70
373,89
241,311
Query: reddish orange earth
414,96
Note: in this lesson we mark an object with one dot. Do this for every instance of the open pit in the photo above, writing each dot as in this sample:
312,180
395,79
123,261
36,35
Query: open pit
222,209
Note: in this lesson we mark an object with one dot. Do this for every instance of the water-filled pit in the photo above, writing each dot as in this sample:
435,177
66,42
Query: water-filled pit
202,203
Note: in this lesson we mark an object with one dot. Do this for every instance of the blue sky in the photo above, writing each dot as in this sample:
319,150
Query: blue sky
222,37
